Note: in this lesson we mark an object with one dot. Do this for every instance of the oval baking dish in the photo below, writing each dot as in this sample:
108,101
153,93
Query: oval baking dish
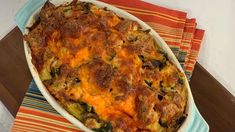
27,16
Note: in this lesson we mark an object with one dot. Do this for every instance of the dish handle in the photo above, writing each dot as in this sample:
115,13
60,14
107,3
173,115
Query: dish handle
26,11
197,124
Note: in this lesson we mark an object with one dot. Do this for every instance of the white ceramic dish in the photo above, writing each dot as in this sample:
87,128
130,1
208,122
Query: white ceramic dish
28,22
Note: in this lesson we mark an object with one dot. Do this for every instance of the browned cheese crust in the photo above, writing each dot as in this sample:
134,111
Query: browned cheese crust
106,70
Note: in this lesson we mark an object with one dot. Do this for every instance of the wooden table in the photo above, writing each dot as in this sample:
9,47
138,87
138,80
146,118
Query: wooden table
214,102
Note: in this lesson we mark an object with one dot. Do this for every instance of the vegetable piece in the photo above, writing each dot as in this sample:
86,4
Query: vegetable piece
68,12
164,54
141,58
180,81
180,119
163,123
87,107
76,110
45,74
55,68
77,80
147,65
149,83
106,127
86,8
55,72
151,64
132,38
92,123
156,63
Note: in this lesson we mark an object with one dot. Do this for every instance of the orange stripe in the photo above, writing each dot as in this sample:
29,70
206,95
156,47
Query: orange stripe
170,36
188,68
173,43
42,113
167,17
34,122
44,124
184,48
188,35
20,129
31,128
46,120
147,6
166,29
150,18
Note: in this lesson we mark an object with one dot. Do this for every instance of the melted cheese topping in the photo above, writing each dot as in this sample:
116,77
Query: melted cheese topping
88,54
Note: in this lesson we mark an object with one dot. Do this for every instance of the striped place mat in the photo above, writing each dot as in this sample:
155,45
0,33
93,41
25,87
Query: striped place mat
180,33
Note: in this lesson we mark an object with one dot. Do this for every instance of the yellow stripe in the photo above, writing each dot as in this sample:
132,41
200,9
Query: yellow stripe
177,37
187,39
172,40
26,129
166,29
197,40
47,120
152,12
142,13
31,127
187,35
166,32
18,130
185,42
34,123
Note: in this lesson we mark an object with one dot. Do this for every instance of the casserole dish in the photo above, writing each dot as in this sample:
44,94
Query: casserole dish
27,16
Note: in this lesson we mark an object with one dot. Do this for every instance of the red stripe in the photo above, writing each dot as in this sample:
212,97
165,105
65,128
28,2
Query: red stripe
188,68
155,19
169,36
23,124
42,123
192,20
199,33
173,43
185,48
43,114
189,29
147,6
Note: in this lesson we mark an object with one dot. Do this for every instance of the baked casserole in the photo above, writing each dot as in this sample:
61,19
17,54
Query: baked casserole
105,70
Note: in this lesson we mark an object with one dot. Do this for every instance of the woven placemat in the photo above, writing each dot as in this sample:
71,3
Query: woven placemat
179,32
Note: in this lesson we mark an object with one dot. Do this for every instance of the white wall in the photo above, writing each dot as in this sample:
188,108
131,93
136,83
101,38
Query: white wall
8,8
6,120
217,17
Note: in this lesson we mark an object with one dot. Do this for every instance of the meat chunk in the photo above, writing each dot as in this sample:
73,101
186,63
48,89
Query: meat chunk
103,73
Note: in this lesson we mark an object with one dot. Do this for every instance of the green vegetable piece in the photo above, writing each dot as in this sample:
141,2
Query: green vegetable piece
45,74
86,8
180,81
76,110
163,123
89,108
106,127
55,72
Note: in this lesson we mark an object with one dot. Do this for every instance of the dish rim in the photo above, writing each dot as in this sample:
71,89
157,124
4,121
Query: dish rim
158,41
